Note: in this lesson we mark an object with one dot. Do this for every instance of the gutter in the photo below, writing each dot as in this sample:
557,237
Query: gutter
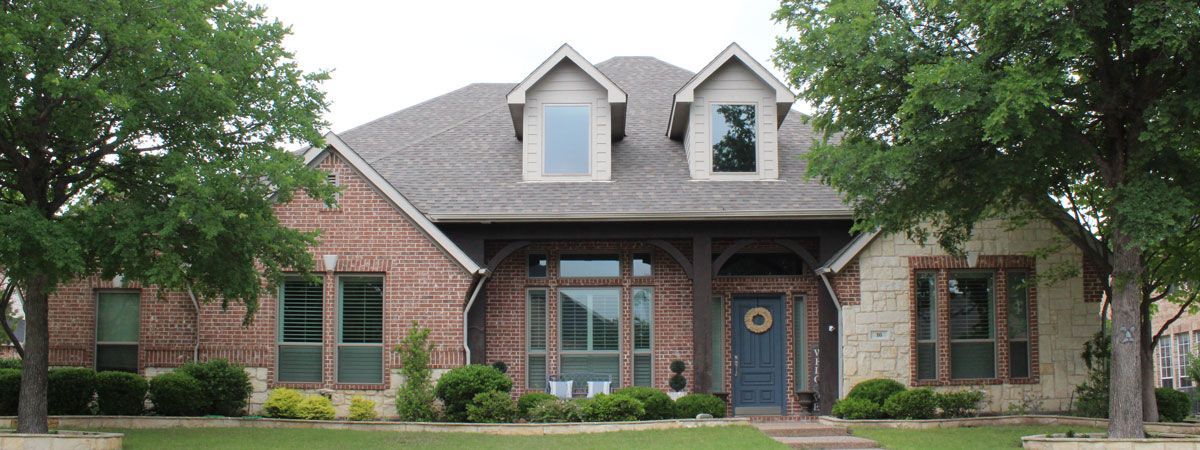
824,274
482,276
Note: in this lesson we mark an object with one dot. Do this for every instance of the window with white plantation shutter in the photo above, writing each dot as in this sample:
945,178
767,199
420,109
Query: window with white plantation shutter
926,326
643,334
300,334
360,330
535,320
972,326
589,327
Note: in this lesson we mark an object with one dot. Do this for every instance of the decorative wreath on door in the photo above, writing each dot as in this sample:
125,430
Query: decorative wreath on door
753,316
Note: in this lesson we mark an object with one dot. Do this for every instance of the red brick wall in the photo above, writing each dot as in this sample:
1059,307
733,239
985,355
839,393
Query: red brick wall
1093,283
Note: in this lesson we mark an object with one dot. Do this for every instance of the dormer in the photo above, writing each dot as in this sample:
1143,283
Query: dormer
567,115
728,117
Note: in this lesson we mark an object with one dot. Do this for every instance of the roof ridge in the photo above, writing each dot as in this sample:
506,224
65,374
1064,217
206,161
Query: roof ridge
645,57
414,105
436,134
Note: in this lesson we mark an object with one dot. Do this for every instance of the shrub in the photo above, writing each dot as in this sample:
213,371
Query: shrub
460,385
692,405
492,407
1091,396
282,403
177,394
1173,405
414,398
677,381
612,408
911,404
877,390
856,409
121,393
10,363
555,411
658,405
531,400
362,409
70,391
959,404
226,386
315,407
10,391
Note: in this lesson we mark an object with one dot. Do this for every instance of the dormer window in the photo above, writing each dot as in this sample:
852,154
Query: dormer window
734,138
568,142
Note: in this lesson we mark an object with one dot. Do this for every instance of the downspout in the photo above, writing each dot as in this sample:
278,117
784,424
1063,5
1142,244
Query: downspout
483,274
824,274
196,306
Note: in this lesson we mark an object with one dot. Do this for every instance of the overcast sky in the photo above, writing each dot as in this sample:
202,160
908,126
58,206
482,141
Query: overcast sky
386,56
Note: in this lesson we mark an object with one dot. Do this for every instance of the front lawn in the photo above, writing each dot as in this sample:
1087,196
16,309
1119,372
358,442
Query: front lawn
267,438
991,437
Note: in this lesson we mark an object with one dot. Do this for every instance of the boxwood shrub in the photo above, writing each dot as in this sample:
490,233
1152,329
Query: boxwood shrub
492,407
10,391
1173,405
177,394
856,409
911,404
877,390
555,411
960,403
612,408
120,393
70,391
10,363
226,386
658,405
460,385
530,400
282,403
362,409
692,405
316,407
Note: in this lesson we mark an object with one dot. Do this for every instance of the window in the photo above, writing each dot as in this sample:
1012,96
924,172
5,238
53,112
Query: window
1166,375
589,327
972,326
718,343
761,264
568,144
799,335
537,266
1183,348
535,320
118,317
643,335
360,330
926,326
300,332
576,266
1018,325
734,138
642,266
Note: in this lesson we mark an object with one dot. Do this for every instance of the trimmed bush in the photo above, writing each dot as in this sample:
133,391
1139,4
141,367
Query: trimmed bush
555,411
856,409
70,391
959,404
315,407
460,385
10,363
414,397
283,403
612,408
10,391
677,381
121,393
177,394
658,405
226,386
692,405
531,400
877,390
1173,405
911,404
492,407
362,409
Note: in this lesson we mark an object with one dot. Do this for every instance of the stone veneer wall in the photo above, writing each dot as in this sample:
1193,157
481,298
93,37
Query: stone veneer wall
1064,319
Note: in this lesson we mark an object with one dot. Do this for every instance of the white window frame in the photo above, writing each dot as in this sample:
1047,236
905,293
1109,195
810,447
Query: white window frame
591,151
757,173
1183,351
1166,372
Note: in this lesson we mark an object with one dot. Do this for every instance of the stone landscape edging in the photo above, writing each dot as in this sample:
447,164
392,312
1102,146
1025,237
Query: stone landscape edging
1096,441
529,429
1152,427
62,440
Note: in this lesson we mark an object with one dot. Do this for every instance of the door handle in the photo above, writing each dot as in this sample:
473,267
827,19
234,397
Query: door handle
736,366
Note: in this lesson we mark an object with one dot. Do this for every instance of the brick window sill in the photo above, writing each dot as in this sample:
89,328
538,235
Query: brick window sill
294,385
361,387
975,382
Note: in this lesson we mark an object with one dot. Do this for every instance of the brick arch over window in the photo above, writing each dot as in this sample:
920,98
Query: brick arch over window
738,245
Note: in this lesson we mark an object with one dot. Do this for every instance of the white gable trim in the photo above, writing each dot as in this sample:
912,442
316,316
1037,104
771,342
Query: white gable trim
314,155
784,98
848,253
616,95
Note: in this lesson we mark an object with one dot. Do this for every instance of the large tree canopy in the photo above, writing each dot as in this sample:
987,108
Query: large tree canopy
1083,113
146,138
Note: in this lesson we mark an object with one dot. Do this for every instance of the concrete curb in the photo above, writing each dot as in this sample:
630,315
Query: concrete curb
1153,427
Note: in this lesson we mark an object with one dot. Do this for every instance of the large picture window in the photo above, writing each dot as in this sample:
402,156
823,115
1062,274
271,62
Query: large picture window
972,326
118,316
300,331
535,320
589,330
734,138
360,330
568,140
643,334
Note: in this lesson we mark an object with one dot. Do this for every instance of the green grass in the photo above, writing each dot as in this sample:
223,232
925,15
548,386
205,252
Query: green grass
976,438
266,438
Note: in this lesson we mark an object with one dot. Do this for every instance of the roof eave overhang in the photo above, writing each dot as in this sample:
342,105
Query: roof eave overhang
828,214
683,98
617,98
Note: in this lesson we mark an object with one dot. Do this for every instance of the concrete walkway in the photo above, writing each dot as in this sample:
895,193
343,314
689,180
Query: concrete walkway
811,435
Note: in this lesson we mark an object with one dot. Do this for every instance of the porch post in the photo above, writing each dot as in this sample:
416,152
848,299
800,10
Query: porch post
702,312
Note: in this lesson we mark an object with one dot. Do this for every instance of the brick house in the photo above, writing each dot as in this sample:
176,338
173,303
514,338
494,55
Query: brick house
1176,347
584,221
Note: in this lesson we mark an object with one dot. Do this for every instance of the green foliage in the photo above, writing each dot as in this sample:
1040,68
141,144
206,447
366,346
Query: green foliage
71,390
877,390
677,381
177,394
226,386
283,403
658,405
1091,396
612,408
555,411
677,366
492,407
414,398
501,366
1173,405
694,404
856,409
10,390
960,403
530,400
10,363
120,393
460,385
362,409
315,407
911,404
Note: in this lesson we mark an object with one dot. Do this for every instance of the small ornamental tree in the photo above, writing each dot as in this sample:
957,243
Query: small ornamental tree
677,381
414,399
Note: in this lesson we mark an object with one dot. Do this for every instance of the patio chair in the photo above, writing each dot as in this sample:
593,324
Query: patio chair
579,384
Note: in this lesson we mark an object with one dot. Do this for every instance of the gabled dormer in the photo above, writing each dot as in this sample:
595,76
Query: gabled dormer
728,117
567,114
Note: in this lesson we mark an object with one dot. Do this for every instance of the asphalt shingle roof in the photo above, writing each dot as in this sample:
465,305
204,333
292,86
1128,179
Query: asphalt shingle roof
457,154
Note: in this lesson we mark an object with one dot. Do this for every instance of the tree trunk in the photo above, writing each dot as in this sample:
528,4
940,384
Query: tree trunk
31,412
1125,389
1146,356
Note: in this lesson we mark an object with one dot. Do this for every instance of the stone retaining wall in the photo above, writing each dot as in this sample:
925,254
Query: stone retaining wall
1152,427
62,440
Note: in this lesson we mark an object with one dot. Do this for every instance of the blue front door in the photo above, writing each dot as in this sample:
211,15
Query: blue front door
759,355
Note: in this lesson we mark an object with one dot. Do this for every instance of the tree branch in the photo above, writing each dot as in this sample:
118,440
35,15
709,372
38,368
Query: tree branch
1182,308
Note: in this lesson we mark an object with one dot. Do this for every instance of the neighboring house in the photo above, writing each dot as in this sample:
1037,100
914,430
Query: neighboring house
1176,346
606,220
